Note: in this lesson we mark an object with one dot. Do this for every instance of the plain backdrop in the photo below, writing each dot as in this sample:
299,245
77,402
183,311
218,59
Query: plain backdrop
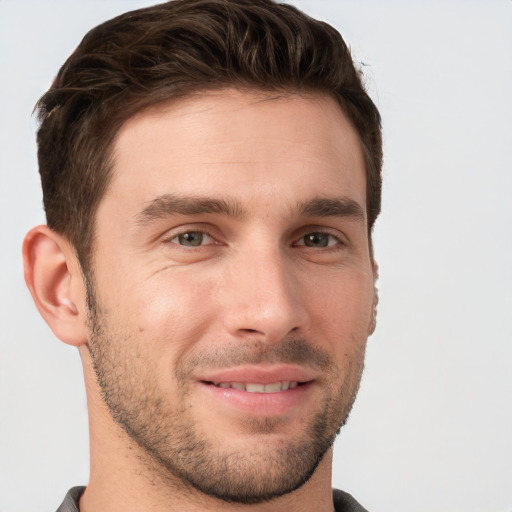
432,428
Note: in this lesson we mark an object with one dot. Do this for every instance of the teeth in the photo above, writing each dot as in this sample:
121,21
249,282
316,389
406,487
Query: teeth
255,388
274,387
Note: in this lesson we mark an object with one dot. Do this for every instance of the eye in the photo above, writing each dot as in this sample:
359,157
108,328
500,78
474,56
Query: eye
318,240
192,239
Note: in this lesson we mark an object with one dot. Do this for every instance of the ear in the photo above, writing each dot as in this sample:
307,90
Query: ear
54,278
373,319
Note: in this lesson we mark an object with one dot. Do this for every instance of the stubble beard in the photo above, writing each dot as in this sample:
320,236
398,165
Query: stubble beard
178,450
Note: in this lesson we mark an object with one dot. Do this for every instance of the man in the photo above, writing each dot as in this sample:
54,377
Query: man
211,177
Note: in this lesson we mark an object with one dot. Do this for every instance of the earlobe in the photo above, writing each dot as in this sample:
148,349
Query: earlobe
54,278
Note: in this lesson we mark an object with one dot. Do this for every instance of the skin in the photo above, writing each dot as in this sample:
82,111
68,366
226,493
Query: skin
267,281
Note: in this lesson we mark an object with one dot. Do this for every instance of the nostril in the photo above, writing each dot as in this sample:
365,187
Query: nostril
249,332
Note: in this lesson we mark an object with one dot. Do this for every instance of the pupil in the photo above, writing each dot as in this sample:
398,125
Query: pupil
191,239
316,240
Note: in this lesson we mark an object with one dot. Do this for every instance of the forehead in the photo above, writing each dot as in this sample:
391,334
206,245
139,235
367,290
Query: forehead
245,144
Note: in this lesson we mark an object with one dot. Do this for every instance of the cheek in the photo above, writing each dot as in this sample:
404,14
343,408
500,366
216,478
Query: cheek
342,309
170,311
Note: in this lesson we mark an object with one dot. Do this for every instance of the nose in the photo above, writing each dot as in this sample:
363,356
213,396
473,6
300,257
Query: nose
263,297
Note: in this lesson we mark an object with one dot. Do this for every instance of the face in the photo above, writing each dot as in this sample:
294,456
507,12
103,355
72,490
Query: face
232,288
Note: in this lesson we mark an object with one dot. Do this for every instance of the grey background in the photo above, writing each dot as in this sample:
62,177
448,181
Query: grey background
432,427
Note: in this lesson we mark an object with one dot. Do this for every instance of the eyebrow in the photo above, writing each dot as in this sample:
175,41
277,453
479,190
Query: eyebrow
333,207
169,204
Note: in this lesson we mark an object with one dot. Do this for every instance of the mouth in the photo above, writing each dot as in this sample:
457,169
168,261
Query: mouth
259,391
254,387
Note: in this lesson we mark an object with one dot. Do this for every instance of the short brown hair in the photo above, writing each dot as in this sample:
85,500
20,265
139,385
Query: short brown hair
171,50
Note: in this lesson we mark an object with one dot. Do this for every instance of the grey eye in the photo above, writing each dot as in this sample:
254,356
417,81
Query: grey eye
318,240
191,238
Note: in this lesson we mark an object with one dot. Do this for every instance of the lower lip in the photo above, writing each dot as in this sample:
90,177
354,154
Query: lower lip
259,404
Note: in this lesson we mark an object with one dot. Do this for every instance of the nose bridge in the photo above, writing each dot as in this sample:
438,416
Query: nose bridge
263,294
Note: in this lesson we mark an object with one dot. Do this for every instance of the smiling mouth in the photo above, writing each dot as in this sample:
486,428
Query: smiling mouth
274,387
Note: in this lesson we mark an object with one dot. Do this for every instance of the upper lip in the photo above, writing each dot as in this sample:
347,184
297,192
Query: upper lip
258,374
